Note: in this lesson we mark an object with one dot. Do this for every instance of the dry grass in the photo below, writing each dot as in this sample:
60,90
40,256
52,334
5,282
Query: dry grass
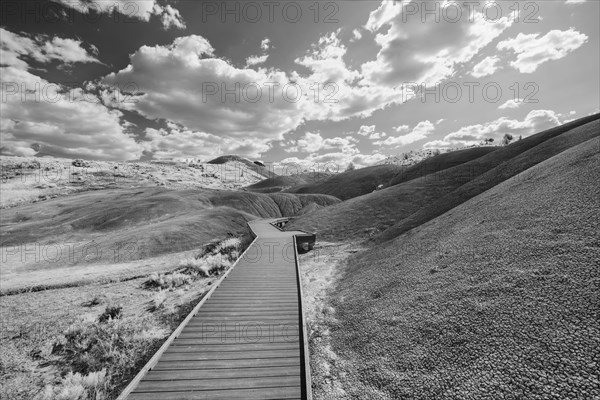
320,271
56,343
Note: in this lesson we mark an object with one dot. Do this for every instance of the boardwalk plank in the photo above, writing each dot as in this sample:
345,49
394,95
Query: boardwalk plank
245,341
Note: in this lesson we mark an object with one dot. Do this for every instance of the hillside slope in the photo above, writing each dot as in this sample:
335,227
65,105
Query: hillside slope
276,184
497,298
439,163
423,198
349,184
111,226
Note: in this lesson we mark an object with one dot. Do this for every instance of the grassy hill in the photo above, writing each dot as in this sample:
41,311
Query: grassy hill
495,298
349,184
276,184
109,226
284,182
389,212
439,163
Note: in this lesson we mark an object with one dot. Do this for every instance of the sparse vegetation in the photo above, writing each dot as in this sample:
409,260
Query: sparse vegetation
98,355
78,387
110,313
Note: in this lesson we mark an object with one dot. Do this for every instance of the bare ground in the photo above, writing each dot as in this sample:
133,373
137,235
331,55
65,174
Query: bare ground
320,271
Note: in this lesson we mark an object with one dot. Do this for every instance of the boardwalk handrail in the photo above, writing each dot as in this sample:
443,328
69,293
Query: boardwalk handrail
307,382
152,362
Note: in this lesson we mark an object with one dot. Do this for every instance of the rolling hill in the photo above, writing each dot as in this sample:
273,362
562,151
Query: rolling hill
495,298
387,213
350,184
110,226
276,184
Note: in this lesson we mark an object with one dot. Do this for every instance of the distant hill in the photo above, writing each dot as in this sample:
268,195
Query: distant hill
350,184
276,184
439,163
405,205
494,298
264,171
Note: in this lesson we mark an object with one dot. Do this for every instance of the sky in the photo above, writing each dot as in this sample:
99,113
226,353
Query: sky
329,82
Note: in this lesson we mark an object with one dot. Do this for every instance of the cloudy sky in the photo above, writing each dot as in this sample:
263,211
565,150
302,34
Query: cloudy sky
343,81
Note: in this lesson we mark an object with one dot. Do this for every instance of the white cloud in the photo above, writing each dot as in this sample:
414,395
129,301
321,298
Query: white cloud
335,161
169,17
139,9
184,83
419,132
179,144
334,85
314,143
65,123
321,157
485,67
369,130
575,1
512,103
437,144
17,48
356,35
533,50
442,45
265,44
536,121
256,60
366,130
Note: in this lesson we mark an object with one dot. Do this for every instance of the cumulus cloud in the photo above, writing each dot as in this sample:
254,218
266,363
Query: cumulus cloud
334,161
329,153
139,9
169,17
369,131
534,50
313,143
68,123
17,49
255,60
176,143
333,85
512,103
442,45
184,83
419,132
366,130
356,35
535,121
265,44
485,67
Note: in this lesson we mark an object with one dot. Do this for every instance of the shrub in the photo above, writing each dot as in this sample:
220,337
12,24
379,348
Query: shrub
117,346
111,312
94,301
157,301
78,387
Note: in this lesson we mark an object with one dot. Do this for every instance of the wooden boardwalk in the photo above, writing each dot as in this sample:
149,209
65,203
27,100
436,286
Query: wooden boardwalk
245,340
